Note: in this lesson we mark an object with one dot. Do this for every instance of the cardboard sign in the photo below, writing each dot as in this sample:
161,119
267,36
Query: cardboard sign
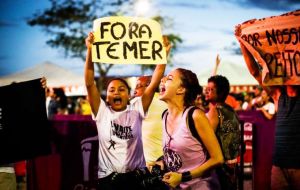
275,43
128,40
24,126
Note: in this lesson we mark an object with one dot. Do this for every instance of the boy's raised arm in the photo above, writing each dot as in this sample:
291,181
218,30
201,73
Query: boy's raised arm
92,91
156,77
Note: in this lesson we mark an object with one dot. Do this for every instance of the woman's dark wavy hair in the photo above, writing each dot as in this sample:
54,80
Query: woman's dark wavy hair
119,79
191,84
222,86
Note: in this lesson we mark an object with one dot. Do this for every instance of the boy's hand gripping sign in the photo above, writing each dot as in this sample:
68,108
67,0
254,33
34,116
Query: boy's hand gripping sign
275,44
128,40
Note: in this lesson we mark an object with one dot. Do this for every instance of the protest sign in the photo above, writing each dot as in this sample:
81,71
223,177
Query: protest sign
128,40
24,126
275,44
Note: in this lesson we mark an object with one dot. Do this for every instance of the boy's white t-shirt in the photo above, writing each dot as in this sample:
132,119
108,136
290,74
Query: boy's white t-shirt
120,138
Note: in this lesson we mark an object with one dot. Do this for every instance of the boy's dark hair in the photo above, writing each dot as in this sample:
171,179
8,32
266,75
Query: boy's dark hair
119,79
191,84
222,86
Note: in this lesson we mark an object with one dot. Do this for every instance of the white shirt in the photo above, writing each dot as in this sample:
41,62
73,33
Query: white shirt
120,138
152,130
270,108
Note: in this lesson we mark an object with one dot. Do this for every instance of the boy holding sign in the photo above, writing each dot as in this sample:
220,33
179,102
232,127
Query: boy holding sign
119,122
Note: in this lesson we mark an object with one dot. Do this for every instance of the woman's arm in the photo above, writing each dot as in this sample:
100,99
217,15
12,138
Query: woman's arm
155,79
266,113
269,114
217,63
211,143
93,94
213,117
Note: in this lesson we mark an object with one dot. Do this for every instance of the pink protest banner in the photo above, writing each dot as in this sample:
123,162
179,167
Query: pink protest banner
274,42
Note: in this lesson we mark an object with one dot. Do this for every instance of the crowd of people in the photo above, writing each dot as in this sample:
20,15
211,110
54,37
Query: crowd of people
256,99
190,130
188,159
194,156
206,166
130,124
57,103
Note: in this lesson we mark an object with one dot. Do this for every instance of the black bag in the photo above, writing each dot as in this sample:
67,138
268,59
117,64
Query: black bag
139,179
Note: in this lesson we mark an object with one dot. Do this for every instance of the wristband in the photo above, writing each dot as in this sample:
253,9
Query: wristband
186,176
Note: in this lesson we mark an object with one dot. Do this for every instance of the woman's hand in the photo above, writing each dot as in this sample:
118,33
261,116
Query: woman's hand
173,179
43,82
218,60
167,44
89,40
238,30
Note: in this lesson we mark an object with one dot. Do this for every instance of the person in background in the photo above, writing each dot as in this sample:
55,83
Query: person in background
257,97
52,105
230,99
119,122
225,122
266,105
188,160
83,107
285,173
248,96
48,98
70,105
61,98
239,97
152,125
141,84
58,103
216,93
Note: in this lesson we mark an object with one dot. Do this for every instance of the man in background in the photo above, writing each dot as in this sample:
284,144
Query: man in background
152,125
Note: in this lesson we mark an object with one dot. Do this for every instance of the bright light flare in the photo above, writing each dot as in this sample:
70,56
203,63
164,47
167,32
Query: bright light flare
141,7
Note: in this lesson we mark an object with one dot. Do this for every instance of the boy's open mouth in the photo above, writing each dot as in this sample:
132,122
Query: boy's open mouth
117,100
162,89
